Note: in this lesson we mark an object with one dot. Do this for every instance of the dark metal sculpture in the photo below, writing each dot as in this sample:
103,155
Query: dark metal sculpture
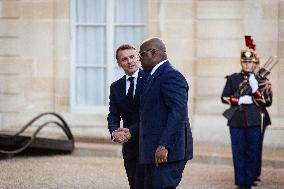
11,145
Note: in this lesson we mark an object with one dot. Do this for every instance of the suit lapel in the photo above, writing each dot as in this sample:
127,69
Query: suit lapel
151,80
121,91
122,86
140,85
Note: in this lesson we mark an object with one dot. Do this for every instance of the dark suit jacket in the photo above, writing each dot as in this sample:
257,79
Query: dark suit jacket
121,108
164,116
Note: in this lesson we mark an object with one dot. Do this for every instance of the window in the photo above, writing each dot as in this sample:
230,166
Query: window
99,27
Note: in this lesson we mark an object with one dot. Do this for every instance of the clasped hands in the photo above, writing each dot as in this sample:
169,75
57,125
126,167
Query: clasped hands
122,135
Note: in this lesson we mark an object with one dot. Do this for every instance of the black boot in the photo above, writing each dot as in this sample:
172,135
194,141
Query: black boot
244,187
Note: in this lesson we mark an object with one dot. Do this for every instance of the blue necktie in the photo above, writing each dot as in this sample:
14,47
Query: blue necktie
130,89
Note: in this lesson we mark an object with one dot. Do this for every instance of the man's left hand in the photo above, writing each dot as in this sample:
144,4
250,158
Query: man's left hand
161,155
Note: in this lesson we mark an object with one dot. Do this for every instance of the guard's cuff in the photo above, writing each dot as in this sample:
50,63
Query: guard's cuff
257,94
234,100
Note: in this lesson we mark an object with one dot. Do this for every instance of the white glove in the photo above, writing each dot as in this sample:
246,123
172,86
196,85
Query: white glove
253,83
246,99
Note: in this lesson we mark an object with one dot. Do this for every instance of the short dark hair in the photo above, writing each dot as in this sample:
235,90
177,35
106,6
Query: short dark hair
123,47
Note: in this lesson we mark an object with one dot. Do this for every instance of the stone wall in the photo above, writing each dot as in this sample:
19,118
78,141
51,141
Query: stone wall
203,38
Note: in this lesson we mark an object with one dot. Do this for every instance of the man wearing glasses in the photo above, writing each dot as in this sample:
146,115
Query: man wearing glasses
124,104
165,134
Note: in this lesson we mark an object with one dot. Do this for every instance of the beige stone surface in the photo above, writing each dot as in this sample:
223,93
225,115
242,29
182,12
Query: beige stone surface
62,9
9,9
206,127
41,85
61,38
61,86
62,68
36,10
181,8
219,9
217,67
10,46
153,29
281,50
12,102
281,9
281,29
182,32
209,105
37,39
154,10
262,30
9,27
219,29
11,84
210,48
270,9
62,103
210,87
16,65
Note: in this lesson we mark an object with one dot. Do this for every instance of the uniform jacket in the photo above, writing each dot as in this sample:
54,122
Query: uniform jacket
164,116
246,115
121,108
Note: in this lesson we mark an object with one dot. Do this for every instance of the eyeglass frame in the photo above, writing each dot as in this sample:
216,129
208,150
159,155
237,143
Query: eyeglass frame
140,53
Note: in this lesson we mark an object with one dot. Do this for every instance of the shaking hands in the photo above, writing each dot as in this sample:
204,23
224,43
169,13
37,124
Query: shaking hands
121,135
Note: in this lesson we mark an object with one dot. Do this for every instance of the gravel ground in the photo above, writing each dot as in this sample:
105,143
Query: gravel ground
88,171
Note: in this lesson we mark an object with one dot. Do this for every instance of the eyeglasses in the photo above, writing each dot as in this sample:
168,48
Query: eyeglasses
140,54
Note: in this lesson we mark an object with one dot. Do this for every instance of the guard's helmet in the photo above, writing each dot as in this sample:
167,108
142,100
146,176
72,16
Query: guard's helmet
248,55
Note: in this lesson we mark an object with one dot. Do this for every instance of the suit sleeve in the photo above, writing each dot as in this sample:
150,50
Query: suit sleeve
113,116
228,94
263,97
134,129
174,91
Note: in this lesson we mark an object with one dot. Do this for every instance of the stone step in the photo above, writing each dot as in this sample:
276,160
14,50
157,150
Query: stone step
203,153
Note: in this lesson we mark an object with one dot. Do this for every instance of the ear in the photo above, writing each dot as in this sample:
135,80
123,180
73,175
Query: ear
119,64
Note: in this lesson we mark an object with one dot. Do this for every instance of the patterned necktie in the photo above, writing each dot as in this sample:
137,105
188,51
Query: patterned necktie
130,89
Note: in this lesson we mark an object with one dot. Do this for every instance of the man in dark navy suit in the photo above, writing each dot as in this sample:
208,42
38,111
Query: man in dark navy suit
165,136
124,104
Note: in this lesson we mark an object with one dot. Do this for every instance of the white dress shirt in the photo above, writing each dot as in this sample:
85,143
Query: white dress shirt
157,66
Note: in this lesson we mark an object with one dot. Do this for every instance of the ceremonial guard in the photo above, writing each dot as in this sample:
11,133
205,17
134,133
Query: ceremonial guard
246,116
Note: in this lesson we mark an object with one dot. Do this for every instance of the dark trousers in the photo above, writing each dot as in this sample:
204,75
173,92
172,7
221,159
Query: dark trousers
259,155
245,145
165,176
135,173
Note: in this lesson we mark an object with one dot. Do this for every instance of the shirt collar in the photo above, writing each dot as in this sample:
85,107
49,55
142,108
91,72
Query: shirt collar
157,66
135,75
